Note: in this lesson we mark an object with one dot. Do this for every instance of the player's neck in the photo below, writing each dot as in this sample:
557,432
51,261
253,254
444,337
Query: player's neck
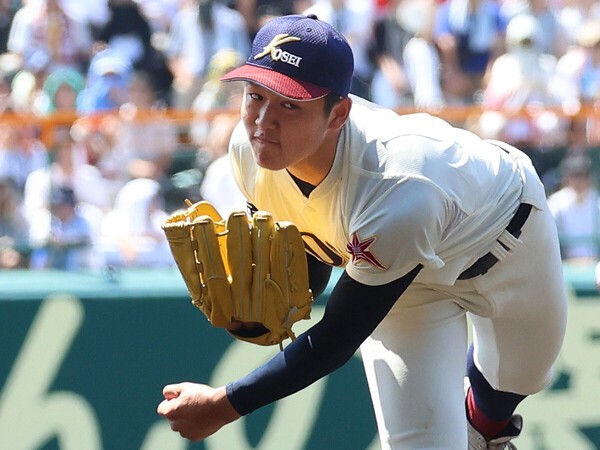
305,187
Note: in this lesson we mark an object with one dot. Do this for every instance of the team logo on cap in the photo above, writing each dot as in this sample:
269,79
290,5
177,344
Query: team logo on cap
280,55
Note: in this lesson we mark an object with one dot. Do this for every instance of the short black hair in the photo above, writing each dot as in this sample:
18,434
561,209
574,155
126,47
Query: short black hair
331,100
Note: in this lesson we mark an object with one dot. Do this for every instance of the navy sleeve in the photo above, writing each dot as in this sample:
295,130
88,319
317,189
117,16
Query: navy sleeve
319,274
353,311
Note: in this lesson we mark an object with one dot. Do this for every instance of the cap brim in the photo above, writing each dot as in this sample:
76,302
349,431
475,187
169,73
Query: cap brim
276,82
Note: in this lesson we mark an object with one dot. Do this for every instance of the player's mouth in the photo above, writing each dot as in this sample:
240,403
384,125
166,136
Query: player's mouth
263,140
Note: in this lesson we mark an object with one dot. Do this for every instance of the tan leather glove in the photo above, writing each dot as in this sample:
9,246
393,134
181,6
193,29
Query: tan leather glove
247,275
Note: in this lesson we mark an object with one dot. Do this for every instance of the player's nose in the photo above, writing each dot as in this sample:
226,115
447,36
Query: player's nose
266,117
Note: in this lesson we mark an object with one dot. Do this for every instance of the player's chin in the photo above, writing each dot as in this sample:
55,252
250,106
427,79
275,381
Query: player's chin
267,160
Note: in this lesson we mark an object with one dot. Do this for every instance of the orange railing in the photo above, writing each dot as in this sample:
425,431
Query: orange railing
455,114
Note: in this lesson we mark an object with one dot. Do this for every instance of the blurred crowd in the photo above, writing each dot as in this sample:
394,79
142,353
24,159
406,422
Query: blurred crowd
95,194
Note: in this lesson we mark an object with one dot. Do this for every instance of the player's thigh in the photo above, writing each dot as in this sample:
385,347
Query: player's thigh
415,365
518,342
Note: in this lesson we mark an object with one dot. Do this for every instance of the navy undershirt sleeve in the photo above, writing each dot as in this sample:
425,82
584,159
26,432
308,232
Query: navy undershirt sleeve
319,274
353,311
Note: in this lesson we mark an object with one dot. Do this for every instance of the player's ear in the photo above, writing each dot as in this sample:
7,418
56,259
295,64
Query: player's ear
339,113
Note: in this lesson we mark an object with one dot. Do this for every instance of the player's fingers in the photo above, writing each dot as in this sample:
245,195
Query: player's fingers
164,408
171,391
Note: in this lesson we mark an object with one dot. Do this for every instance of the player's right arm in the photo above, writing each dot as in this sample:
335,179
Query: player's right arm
353,311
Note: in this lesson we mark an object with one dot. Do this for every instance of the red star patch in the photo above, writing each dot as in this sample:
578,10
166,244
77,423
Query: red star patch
360,251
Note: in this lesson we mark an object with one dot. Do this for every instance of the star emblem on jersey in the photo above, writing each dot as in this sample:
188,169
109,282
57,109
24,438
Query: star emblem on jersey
360,251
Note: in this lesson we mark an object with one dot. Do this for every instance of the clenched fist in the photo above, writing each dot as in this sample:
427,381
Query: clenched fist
196,411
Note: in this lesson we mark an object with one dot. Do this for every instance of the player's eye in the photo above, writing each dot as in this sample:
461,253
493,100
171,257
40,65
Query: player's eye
288,105
255,96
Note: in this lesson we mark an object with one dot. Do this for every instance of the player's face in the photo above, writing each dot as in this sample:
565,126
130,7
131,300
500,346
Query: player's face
284,133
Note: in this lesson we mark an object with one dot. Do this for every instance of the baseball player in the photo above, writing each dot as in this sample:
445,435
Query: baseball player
430,224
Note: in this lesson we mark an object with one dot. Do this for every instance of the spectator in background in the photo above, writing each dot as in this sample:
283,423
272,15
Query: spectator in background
214,95
572,14
297,6
59,92
128,32
406,60
27,83
390,87
470,35
578,76
199,30
144,137
218,185
13,227
5,100
212,122
68,169
578,70
107,82
355,20
95,138
21,153
91,13
522,78
7,13
43,27
552,37
160,14
576,209
131,234
257,12
61,237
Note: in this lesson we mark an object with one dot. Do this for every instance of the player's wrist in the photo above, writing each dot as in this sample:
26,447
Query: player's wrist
224,408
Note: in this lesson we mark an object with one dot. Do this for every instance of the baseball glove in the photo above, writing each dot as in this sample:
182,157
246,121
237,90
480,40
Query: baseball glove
249,276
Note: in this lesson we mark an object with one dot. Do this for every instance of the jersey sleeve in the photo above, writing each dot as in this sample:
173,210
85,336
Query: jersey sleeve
399,229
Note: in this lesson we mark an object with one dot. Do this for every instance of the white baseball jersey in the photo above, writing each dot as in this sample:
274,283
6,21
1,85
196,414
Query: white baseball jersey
402,191
408,190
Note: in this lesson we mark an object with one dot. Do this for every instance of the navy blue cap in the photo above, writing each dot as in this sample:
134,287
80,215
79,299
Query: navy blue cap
299,57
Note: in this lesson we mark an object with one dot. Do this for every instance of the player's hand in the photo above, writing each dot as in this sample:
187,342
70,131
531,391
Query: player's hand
196,411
